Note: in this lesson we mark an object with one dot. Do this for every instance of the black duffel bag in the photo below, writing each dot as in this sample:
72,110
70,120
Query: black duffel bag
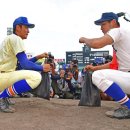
90,94
43,89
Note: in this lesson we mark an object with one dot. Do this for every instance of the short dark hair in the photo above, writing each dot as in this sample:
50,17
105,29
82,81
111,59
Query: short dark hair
116,22
14,28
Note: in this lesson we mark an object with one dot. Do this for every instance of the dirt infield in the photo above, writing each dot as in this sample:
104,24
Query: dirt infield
60,114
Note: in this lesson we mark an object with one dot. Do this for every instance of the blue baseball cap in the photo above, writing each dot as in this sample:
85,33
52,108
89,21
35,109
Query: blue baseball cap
106,17
22,21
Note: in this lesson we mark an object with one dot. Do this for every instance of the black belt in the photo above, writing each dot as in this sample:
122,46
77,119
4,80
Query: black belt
2,71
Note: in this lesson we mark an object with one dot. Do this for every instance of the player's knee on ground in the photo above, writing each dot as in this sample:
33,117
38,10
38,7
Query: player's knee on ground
34,79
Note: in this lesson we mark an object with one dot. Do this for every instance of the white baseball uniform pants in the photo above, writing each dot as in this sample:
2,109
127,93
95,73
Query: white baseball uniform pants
33,78
104,78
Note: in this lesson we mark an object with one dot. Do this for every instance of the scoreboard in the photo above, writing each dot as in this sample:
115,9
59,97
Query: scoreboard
86,56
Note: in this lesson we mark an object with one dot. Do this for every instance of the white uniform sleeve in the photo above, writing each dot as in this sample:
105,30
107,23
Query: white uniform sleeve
115,34
17,44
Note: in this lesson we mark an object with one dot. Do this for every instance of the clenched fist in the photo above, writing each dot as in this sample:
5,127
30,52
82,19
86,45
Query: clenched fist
89,68
82,40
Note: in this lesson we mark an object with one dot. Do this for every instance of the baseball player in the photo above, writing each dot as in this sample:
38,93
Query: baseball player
12,50
114,83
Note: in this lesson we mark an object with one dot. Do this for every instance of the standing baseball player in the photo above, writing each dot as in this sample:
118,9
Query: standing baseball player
12,50
114,83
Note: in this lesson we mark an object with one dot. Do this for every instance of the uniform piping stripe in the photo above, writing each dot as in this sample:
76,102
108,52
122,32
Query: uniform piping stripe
11,91
125,99
14,89
8,92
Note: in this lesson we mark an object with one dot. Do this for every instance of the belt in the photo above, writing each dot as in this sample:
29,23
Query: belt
2,71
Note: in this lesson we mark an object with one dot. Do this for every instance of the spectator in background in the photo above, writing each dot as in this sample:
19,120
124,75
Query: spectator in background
114,63
74,69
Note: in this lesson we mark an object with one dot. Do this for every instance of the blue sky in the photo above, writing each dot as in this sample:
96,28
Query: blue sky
59,23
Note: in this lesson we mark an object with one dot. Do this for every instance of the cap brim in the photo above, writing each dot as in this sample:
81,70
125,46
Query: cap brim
98,22
29,25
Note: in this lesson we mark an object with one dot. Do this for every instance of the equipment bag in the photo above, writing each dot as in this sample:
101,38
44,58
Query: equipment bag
43,90
90,94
